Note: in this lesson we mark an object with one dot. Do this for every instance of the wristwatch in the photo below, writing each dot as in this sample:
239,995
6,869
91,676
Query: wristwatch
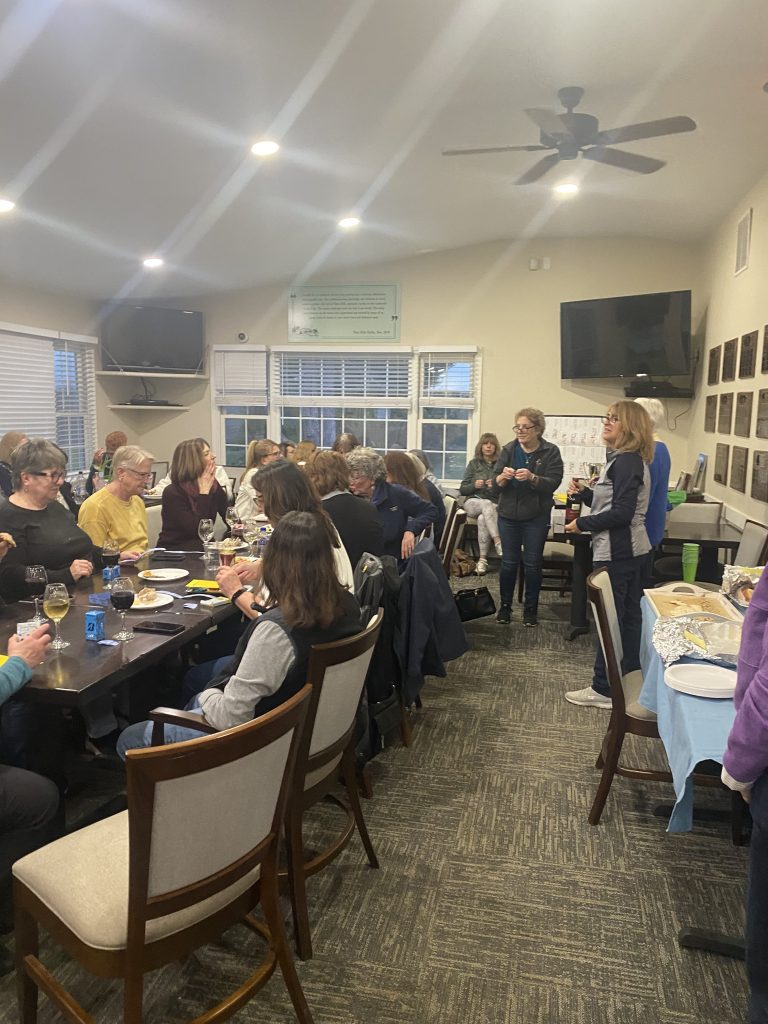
238,593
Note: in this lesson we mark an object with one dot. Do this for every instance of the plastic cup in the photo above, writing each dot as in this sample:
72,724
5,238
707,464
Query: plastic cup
690,562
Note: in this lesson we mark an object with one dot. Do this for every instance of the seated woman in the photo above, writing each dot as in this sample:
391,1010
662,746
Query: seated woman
260,453
118,510
356,521
302,452
8,442
402,514
408,471
283,488
482,500
345,443
44,531
308,606
193,494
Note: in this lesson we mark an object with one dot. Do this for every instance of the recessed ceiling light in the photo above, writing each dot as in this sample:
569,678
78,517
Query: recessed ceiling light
6,205
264,148
347,223
567,188
153,262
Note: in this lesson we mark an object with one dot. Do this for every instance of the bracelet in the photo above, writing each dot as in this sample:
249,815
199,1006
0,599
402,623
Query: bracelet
238,593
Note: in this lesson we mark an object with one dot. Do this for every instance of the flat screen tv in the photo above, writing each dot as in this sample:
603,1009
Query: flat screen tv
150,339
627,336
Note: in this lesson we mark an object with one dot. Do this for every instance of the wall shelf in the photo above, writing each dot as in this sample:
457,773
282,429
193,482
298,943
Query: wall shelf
151,408
152,376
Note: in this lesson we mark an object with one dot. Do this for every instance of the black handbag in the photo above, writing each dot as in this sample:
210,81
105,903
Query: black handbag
475,604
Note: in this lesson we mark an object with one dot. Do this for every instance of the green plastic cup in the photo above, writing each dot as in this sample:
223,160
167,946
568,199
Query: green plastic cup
690,562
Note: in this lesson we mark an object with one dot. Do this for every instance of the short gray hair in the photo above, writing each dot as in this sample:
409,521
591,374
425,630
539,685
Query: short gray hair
536,416
366,462
36,456
654,408
130,456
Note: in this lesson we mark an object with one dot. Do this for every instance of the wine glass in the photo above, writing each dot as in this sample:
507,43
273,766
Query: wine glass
36,578
205,531
231,517
251,534
110,556
56,606
122,597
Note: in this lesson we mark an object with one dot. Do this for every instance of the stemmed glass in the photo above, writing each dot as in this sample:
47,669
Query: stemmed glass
205,531
231,518
122,597
251,534
110,556
56,606
36,578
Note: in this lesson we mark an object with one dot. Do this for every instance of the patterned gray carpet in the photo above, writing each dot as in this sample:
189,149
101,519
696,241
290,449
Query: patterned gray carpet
496,903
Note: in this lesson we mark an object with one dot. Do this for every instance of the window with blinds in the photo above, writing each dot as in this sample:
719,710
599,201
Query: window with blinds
240,395
75,402
448,398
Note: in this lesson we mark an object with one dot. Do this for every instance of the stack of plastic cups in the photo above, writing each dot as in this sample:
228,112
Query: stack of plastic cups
690,562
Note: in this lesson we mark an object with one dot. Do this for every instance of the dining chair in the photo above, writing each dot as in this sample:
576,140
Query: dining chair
146,887
556,569
453,539
753,546
451,507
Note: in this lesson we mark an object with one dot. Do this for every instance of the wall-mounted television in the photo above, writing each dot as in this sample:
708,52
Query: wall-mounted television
626,336
151,339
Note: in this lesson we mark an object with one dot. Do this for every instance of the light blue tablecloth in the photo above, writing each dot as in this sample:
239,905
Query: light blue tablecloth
692,729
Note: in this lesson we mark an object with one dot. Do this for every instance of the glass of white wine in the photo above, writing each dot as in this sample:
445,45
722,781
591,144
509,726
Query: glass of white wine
56,606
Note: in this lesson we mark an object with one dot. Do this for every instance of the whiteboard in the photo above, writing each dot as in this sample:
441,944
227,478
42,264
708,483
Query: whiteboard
580,440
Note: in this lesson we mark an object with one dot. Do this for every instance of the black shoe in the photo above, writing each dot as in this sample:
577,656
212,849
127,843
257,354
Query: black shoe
529,619
505,614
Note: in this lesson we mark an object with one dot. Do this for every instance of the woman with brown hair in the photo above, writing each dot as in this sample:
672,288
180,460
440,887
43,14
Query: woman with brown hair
408,471
307,606
260,453
302,452
193,494
356,520
8,442
618,503
482,500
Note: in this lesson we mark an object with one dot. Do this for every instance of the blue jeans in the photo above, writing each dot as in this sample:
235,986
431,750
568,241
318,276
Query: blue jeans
140,733
627,578
529,535
757,905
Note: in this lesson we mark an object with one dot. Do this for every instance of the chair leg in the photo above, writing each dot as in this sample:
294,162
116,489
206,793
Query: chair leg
364,781
610,761
406,731
133,997
297,883
280,942
27,944
348,769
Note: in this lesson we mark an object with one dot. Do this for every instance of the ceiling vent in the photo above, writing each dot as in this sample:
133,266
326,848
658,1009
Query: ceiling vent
743,238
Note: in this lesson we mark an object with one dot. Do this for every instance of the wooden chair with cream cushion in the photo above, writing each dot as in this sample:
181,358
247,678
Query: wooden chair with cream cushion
451,507
194,854
337,674
753,546
453,539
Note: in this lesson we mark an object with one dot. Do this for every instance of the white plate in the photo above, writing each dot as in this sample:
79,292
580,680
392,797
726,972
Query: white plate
163,575
701,680
159,601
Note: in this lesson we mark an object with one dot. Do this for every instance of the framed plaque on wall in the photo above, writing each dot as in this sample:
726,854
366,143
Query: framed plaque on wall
760,475
721,463
729,359
739,468
725,413
761,427
764,363
748,359
713,376
710,414
742,420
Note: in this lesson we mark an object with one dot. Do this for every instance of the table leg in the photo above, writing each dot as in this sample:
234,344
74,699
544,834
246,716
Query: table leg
582,563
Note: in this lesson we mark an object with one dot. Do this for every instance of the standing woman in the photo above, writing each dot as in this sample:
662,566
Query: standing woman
482,499
527,473
620,544
661,463
193,494
260,453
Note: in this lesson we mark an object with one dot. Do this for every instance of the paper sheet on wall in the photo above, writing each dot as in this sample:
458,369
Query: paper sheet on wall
580,440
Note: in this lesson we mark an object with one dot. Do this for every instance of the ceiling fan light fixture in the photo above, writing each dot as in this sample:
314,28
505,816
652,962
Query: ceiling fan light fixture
566,188
264,148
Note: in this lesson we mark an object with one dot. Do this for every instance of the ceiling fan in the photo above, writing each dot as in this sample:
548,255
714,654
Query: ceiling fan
571,134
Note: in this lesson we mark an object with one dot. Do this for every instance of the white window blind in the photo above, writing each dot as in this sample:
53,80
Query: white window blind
349,379
27,388
75,401
239,376
448,380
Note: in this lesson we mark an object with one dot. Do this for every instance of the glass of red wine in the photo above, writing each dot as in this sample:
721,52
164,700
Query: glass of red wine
122,596
36,579
110,556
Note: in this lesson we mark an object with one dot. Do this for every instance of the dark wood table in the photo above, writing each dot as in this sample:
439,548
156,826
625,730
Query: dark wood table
86,669
711,537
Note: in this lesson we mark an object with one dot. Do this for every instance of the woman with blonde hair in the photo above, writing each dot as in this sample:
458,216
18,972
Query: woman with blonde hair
260,453
618,503
302,452
482,500
193,494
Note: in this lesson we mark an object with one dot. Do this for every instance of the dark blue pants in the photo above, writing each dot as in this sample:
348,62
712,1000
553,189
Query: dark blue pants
757,905
627,577
528,536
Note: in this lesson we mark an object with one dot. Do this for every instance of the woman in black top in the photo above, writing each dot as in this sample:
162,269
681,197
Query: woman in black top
45,533
356,520
193,494
8,442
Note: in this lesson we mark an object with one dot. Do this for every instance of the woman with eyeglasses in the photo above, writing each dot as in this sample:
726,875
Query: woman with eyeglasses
618,503
193,494
527,473
43,530
118,510
260,453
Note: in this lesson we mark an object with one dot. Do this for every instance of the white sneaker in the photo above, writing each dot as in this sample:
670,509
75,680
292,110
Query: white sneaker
497,545
482,566
589,698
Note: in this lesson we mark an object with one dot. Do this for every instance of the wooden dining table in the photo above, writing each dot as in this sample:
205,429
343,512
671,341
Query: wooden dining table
87,669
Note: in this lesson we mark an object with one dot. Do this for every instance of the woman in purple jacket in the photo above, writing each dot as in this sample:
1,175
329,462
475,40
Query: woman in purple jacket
745,768
193,494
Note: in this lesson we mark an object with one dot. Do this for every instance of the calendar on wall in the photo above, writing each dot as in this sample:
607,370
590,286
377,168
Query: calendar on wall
580,440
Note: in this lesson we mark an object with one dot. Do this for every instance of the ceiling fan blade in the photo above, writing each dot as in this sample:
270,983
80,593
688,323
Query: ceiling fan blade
494,149
548,121
539,169
646,130
627,161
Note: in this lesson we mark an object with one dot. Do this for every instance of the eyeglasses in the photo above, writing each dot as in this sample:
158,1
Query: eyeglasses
142,476
610,419
521,429
54,475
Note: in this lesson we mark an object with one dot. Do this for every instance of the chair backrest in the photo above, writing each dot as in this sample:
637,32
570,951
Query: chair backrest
607,621
697,512
337,674
451,506
187,843
753,547
457,529
154,522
